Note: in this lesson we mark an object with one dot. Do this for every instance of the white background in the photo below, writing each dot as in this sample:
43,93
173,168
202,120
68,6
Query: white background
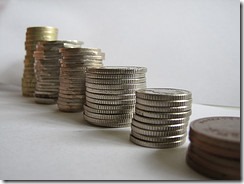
189,44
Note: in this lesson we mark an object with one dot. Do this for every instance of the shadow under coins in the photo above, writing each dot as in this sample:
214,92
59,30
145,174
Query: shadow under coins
109,136
174,160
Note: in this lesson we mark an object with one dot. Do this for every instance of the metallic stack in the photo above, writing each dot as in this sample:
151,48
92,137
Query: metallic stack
214,150
161,117
72,76
110,94
33,35
47,66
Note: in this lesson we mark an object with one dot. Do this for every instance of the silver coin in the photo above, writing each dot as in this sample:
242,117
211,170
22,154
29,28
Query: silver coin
112,112
111,92
45,101
156,103
108,123
111,107
163,115
163,109
156,144
116,81
163,139
156,121
112,87
109,116
111,97
117,70
169,127
116,76
157,133
111,102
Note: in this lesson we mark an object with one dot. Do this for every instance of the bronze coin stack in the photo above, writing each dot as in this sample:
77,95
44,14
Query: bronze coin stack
33,35
47,66
214,150
74,63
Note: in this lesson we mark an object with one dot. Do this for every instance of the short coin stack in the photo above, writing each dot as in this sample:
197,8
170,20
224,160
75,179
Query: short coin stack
110,94
161,117
47,66
72,76
214,150
33,35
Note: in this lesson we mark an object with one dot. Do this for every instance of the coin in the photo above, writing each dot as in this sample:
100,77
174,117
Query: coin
163,109
111,97
156,144
221,131
209,169
156,103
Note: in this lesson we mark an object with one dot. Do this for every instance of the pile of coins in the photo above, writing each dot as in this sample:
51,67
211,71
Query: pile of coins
161,117
110,94
47,66
214,150
72,76
33,35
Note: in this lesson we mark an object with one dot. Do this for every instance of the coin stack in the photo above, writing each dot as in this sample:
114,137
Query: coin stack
161,117
47,68
214,150
72,76
33,35
110,94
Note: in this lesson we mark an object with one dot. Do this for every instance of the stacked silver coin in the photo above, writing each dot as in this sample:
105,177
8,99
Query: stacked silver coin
47,66
72,76
110,94
161,117
33,35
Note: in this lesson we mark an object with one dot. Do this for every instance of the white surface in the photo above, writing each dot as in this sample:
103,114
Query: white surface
38,142
187,44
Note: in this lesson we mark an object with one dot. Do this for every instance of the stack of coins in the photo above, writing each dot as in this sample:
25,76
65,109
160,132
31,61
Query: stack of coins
33,35
47,66
72,76
161,117
214,150
110,94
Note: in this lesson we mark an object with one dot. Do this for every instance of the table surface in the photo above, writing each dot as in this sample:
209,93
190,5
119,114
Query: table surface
37,142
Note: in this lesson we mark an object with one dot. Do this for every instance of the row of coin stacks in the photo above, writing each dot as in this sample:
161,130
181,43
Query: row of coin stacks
47,69
33,35
72,76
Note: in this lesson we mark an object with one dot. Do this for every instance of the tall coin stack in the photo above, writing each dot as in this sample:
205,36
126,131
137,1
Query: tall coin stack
214,150
72,76
161,117
47,66
110,94
33,35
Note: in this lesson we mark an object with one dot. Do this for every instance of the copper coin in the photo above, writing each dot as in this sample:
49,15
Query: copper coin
219,131
210,169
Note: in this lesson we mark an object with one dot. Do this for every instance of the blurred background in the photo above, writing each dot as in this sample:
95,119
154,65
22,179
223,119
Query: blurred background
188,44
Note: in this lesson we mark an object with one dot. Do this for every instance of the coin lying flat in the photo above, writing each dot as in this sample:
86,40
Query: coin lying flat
214,150
219,131
210,169
118,70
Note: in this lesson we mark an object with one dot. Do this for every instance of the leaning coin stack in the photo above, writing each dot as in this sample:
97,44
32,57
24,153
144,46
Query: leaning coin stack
72,76
214,150
161,117
47,66
33,35
110,94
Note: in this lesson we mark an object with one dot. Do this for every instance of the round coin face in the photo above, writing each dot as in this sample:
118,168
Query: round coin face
164,94
219,131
